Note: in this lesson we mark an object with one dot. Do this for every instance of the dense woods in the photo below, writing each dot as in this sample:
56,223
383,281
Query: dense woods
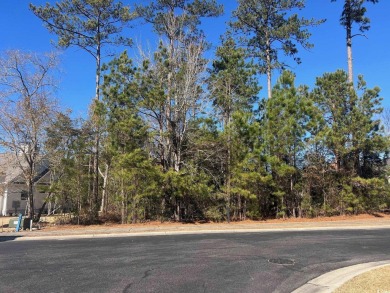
176,136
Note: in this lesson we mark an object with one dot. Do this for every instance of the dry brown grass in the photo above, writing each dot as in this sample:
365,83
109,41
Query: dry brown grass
57,222
292,222
375,281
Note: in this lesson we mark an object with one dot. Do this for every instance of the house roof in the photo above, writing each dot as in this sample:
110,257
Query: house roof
10,168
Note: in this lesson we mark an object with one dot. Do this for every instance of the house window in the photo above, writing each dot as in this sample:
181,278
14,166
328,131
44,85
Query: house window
24,195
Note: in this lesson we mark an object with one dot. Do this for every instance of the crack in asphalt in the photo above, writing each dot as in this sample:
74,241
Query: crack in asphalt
146,274
126,289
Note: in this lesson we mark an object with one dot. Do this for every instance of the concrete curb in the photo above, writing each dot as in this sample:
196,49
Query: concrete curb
115,234
329,282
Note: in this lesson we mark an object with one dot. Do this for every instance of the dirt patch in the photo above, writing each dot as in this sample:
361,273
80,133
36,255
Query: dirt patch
55,223
375,281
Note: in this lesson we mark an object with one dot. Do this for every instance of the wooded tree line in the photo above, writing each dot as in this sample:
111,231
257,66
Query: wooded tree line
175,136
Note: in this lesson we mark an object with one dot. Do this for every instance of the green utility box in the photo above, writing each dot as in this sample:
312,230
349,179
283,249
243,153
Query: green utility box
13,223
24,225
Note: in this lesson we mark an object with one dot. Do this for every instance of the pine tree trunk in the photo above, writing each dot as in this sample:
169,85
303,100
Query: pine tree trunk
95,188
104,189
134,211
78,190
349,40
90,185
350,60
244,211
269,68
239,208
175,213
163,203
178,211
228,175
123,211
269,86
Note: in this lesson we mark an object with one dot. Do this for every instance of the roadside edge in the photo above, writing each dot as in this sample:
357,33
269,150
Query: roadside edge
330,281
91,234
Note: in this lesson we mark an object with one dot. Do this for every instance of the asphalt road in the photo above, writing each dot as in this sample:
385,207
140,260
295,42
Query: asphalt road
242,262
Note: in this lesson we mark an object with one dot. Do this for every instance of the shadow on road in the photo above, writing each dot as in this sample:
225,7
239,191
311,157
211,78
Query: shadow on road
8,238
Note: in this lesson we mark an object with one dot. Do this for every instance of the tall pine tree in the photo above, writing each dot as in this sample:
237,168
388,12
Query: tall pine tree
268,27
233,88
354,13
91,26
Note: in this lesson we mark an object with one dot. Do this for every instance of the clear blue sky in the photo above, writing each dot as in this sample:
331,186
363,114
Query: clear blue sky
20,29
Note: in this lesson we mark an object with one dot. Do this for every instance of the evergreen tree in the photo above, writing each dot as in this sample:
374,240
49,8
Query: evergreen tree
180,65
269,27
350,131
127,138
354,12
173,100
175,18
233,89
70,144
290,115
89,25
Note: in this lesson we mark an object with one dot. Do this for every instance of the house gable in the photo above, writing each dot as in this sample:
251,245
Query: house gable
13,188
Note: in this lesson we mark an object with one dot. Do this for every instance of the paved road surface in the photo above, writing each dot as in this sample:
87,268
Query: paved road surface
243,262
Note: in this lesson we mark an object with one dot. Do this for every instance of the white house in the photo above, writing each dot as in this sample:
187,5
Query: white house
13,188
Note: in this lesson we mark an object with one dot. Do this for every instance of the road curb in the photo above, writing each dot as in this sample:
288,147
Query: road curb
330,281
91,235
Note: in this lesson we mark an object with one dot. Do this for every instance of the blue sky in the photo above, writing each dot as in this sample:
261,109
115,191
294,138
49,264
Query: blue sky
22,30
